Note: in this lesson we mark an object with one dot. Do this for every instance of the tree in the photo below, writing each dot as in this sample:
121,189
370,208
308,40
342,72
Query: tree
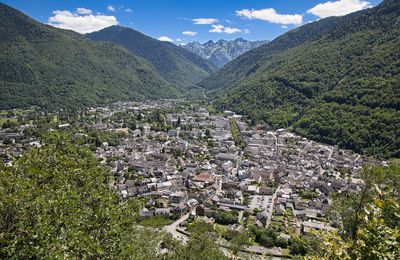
348,209
55,203
375,238
298,247
370,227
266,240
200,244
237,240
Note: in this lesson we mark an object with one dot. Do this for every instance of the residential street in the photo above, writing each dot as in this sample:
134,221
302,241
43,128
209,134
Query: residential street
172,229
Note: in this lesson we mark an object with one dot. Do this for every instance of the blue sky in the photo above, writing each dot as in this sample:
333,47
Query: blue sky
189,20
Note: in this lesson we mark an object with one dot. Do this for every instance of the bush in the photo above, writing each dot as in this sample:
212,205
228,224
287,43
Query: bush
281,242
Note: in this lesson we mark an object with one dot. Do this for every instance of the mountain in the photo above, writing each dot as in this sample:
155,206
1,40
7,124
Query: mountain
221,52
175,64
335,80
53,68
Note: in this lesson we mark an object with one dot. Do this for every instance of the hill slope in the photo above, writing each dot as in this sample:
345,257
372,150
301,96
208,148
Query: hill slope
53,68
221,52
175,64
335,80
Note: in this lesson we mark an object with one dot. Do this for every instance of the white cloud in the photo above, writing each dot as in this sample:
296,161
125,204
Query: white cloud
284,26
204,21
218,28
189,33
338,8
81,10
270,15
128,10
165,39
111,8
82,23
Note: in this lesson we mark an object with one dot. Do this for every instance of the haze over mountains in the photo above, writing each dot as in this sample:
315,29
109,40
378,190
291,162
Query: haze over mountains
223,51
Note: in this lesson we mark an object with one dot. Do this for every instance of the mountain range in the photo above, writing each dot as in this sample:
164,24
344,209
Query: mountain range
53,68
223,51
335,80
175,64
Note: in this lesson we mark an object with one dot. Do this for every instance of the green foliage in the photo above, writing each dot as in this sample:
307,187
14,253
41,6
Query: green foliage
156,222
334,80
237,137
199,227
55,203
52,68
298,247
175,64
349,209
224,218
370,220
281,242
237,240
376,239
9,124
266,237
200,245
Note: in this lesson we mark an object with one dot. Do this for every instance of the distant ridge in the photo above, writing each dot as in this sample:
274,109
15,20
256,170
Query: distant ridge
175,64
53,68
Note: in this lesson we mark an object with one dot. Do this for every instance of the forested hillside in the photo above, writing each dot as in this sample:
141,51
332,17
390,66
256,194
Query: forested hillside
334,80
175,64
53,68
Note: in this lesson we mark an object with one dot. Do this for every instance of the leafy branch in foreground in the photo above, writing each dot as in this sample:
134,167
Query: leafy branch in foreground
370,220
56,203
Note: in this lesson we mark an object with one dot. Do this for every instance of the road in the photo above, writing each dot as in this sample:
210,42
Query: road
172,229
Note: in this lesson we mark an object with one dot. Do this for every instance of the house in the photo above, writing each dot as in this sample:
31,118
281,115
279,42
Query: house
177,197
229,113
64,126
308,226
263,217
280,210
162,212
227,157
204,178
181,208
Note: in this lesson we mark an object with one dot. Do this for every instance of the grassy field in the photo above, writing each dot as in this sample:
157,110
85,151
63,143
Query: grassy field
156,222
3,120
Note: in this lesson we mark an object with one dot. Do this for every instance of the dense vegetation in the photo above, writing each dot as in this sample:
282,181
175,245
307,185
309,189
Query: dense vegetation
55,203
175,64
369,221
53,68
335,80
237,137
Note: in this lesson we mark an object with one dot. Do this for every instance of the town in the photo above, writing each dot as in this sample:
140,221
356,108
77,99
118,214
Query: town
191,163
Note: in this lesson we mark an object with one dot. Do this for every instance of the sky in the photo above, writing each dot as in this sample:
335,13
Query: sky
182,21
